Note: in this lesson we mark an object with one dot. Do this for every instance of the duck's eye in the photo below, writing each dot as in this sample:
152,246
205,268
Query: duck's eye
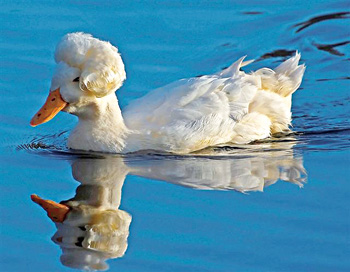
76,79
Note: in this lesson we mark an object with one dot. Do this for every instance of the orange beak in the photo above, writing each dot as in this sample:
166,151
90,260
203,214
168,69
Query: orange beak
57,212
53,105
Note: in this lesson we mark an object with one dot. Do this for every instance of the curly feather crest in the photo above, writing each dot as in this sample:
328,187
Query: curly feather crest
100,63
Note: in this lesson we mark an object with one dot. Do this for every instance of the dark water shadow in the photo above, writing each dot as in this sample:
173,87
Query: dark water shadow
280,53
252,12
330,48
335,79
318,19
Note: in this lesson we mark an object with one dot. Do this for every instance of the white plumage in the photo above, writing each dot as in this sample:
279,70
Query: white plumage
185,116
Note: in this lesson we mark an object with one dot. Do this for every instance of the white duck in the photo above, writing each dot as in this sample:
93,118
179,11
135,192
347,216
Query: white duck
182,117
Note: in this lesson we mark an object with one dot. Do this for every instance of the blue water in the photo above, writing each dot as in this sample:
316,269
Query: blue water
278,205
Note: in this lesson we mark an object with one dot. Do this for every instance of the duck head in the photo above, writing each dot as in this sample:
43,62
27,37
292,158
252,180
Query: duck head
88,70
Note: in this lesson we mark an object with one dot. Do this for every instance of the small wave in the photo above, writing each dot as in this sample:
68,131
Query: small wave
252,12
324,132
331,79
315,20
277,54
51,145
46,142
330,48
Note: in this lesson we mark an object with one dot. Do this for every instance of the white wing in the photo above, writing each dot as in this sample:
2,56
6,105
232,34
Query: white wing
191,114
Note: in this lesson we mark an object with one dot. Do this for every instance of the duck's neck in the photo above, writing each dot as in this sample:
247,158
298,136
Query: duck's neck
103,130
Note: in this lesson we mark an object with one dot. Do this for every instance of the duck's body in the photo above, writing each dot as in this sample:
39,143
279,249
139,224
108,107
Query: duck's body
182,117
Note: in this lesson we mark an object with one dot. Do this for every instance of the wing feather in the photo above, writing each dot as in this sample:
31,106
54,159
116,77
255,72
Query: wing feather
192,113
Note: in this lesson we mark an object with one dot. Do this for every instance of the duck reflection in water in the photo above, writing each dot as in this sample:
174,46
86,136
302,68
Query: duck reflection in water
90,226
92,229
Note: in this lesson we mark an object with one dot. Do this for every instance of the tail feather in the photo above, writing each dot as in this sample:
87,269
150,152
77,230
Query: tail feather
285,79
289,65
234,67
274,100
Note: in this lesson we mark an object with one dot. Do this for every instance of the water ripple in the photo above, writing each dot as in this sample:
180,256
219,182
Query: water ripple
315,20
330,48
